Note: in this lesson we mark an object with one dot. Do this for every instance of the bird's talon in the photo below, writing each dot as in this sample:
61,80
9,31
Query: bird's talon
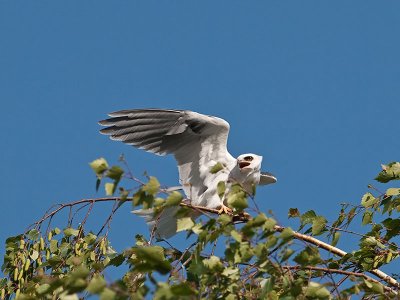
225,209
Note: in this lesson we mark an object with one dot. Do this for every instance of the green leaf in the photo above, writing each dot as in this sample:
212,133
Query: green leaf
152,187
269,224
259,221
335,239
99,166
367,217
317,291
392,227
184,224
117,260
377,287
221,187
374,286
90,238
53,246
286,234
92,255
107,294
237,198
309,256
246,252
42,289
174,199
197,229
97,284
115,173
368,200
231,272
216,168
152,258
286,254
34,254
389,172
268,287
318,225
54,261
236,236
140,197
351,214
368,283
71,231
308,217
183,289
225,219
123,194
110,188
12,240
369,241
80,272
33,234
163,292
65,296
272,241
393,192
213,263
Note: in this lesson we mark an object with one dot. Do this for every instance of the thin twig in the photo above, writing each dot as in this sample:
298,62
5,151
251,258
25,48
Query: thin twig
339,252
320,244
338,271
240,218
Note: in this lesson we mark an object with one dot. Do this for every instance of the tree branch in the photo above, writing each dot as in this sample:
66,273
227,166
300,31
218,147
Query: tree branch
338,271
60,207
320,244
244,217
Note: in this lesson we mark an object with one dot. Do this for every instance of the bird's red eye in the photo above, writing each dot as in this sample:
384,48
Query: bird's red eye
248,158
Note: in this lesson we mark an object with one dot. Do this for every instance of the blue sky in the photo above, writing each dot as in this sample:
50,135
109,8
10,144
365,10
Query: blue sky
313,86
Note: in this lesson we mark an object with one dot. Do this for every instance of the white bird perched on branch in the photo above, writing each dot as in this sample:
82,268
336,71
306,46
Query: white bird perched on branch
198,142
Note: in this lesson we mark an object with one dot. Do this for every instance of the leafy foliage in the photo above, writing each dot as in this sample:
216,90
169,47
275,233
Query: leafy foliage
389,172
230,258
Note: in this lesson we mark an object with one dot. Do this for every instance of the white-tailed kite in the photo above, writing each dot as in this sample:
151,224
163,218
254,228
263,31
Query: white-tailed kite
198,142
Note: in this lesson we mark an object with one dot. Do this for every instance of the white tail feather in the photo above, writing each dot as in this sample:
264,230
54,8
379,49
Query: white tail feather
165,222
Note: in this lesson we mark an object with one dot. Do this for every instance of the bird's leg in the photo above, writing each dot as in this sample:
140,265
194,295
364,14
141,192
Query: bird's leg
225,209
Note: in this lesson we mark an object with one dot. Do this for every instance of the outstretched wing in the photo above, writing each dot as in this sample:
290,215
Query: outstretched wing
196,140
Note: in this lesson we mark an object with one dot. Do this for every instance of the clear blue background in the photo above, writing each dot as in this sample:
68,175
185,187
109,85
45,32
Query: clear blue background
313,86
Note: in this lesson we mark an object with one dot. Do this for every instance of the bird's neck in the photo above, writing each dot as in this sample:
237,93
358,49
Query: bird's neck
246,179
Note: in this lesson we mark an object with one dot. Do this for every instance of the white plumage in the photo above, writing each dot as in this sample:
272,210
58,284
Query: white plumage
198,143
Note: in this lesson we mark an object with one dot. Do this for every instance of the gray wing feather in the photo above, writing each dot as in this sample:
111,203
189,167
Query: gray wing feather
179,132
162,131
144,129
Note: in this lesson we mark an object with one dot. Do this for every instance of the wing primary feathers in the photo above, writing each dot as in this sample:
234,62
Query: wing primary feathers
119,130
144,112
166,131
138,136
129,120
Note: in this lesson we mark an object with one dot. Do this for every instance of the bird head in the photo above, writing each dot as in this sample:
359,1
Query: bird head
249,162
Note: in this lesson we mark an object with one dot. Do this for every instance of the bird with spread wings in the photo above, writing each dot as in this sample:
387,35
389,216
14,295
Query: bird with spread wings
198,142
